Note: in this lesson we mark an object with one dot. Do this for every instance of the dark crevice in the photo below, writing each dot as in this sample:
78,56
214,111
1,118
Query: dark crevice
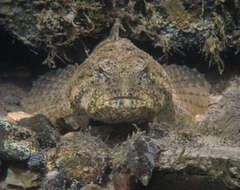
14,53
3,170
183,181
19,62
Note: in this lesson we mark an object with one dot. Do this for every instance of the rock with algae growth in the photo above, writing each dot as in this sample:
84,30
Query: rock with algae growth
20,149
141,157
18,144
80,159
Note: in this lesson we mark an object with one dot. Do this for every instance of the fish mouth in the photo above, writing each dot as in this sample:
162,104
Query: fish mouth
122,109
124,102
125,97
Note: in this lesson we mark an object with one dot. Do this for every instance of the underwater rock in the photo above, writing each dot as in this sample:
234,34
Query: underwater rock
14,132
54,181
141,157
223,116
44,130
122,181
16,143
92,187
81,159
22,178
37,162
20,150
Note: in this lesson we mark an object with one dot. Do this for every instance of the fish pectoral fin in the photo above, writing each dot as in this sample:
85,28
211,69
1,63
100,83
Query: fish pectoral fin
190,89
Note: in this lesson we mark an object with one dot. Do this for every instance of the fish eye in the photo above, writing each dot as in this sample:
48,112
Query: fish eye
102,72
105,66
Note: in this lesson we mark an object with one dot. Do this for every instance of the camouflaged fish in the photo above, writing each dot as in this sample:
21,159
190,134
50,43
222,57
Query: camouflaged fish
119,83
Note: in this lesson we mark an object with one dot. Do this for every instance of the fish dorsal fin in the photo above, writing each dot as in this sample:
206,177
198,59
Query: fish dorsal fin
114,33
190,90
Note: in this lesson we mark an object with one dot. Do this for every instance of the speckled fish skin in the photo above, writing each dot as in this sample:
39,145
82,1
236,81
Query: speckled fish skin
123,84
118,83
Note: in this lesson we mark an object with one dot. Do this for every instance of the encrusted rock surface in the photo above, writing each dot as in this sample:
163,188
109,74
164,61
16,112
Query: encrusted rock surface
21,156
141,157
21,178
80,159
46,135
223,116
17,143
175,26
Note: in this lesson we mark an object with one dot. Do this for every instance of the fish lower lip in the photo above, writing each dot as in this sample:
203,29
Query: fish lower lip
125,97
127,103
